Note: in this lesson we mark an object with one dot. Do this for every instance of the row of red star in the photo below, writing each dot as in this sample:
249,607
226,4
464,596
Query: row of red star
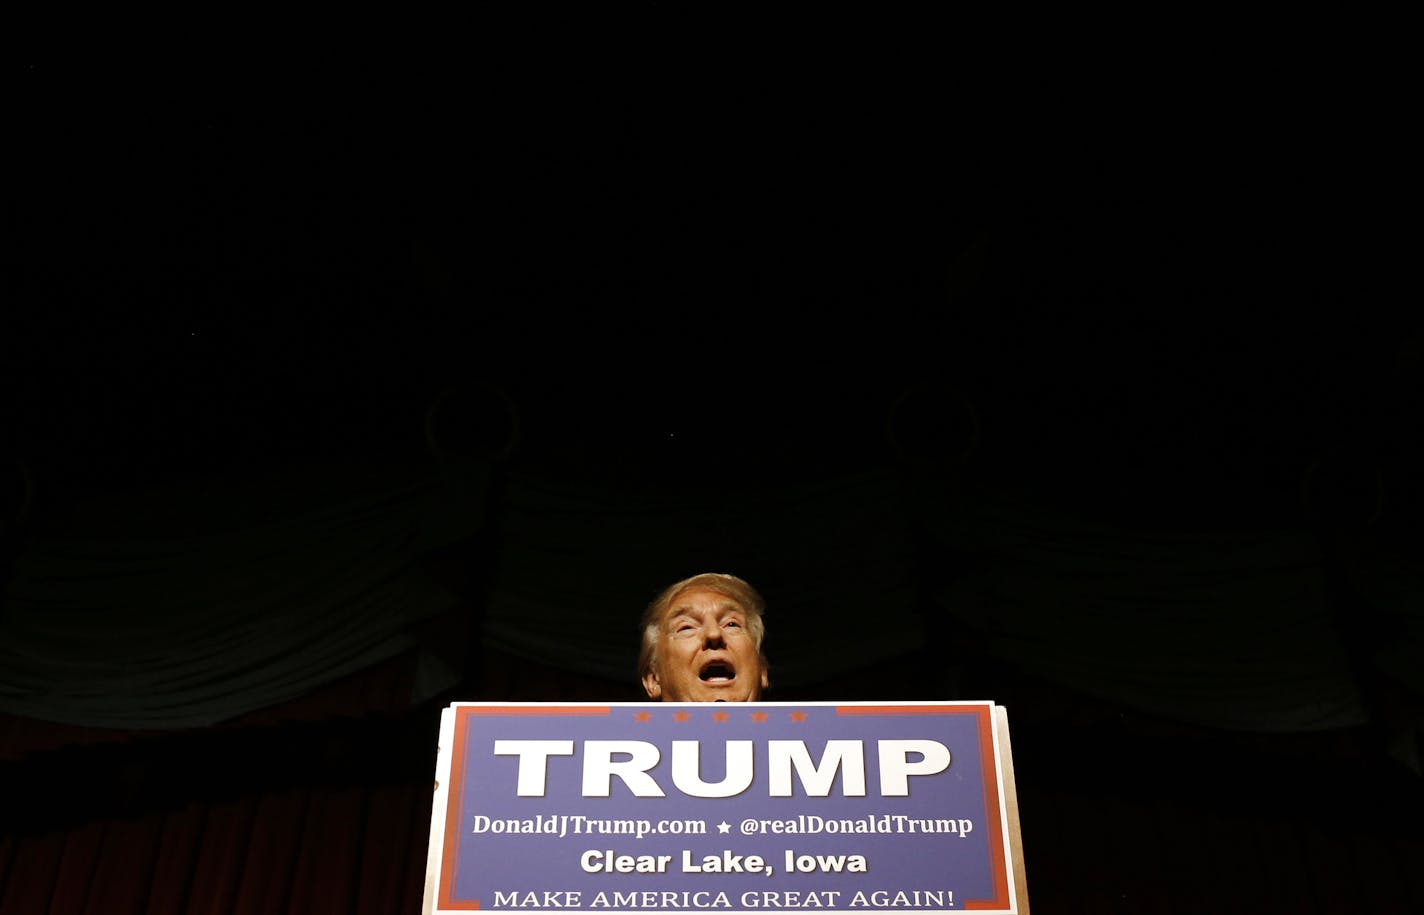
758,716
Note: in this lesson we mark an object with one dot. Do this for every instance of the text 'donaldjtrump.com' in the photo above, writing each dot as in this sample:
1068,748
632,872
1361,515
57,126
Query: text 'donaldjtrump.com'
685,807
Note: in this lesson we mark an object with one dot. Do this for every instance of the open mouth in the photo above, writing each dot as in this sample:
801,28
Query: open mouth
717,672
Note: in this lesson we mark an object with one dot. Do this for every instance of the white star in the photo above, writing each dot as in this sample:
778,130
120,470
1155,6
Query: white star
724,828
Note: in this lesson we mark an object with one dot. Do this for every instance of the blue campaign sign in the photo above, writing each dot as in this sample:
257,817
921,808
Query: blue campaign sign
747,807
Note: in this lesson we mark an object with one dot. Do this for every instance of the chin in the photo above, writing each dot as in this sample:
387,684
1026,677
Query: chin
729,696
713,695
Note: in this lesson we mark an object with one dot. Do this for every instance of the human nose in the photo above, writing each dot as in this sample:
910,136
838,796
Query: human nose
712,633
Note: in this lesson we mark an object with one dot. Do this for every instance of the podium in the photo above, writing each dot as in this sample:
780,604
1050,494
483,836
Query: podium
853,807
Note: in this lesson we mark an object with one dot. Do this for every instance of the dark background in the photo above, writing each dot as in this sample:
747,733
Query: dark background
1170,302
228,267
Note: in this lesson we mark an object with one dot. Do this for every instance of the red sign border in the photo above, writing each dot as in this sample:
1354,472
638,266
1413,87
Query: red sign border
988,758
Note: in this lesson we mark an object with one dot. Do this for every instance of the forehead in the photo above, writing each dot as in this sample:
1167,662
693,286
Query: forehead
700,599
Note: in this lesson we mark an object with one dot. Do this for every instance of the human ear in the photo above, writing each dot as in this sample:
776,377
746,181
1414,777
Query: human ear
652,687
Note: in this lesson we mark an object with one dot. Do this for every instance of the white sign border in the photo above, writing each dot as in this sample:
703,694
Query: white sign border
1003,768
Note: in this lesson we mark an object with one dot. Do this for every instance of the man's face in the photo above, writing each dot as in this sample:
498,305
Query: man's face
705,652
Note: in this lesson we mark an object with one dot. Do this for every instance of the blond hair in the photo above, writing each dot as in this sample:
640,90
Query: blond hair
727,585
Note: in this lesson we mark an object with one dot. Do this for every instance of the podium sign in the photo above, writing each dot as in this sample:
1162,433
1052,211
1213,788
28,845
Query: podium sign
725,807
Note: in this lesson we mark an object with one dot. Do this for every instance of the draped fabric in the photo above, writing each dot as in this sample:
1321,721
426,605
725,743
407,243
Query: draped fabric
576,565
185,607
1231,629
1247,754
1228,629
294,852
1388,573
325,848
181,608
